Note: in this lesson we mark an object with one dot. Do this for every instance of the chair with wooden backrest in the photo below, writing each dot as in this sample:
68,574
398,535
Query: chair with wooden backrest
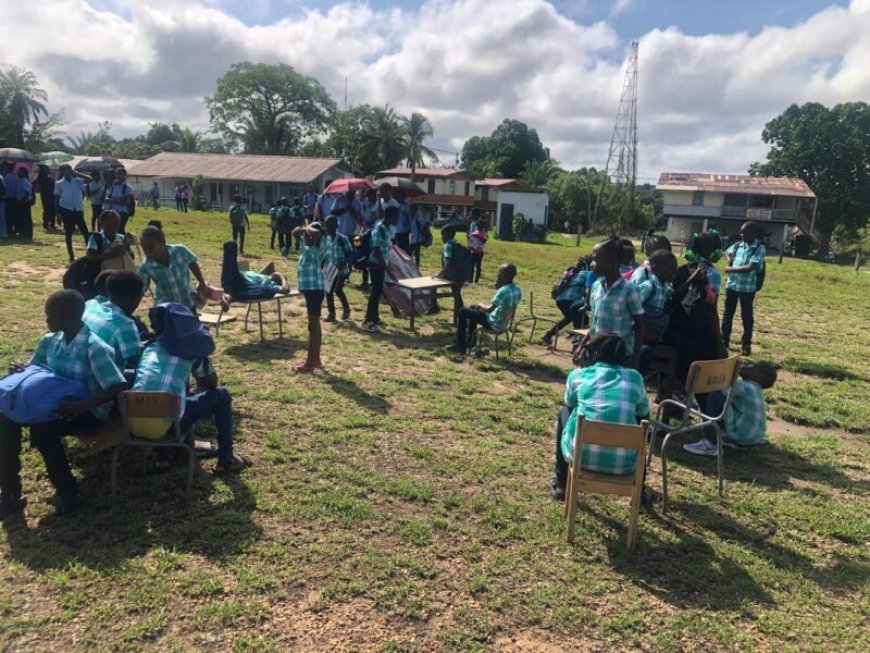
704,377
534,319
153,420
605,434
509,320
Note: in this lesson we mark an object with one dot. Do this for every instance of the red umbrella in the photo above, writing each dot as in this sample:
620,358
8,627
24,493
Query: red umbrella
347,185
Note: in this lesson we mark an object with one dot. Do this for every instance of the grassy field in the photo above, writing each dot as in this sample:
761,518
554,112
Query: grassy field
399,502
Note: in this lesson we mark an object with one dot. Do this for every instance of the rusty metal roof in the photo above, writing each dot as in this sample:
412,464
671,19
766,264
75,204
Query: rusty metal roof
423,172
711,182
235,167
497,182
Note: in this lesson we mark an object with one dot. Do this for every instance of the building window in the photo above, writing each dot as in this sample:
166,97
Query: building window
468,188
431,186
698,198
484,194
451,187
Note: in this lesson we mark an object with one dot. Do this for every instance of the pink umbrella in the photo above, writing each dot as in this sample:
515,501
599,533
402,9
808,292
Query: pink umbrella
348,185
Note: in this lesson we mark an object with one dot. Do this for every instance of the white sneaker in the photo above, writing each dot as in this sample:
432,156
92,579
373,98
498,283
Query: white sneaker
702,448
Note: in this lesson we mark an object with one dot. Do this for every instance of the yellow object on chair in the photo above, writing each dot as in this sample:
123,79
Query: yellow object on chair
149,428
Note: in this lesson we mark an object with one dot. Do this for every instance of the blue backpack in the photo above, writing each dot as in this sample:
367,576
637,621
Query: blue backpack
33,395
180,332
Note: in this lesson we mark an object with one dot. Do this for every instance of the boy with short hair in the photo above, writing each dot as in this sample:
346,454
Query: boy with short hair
239,221
169,266
109,243
309,278
71,350
69,195
338,252
380,244
109,317
494,318
745,421
745,264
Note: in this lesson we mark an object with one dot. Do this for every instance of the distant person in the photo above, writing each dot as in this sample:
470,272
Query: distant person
155,195
239,222
517,226
421,236
403,226
309,200
120,197
23,219
95,189
45,183
69,194
380,248
745,267
10,198
185,197
179,204
476,245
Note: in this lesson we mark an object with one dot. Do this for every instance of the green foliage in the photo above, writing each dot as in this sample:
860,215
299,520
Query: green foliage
504,153
268,108
830,150
21,103
537,174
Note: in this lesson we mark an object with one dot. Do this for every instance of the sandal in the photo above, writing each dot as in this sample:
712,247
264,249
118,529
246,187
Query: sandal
237,464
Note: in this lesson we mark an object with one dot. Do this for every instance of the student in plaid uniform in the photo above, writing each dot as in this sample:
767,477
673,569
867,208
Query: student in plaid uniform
338,252
109,318
380,244
109,243
71,351
494,318
309,278
745,422
604,391
160,371
169,267
614,303
745,263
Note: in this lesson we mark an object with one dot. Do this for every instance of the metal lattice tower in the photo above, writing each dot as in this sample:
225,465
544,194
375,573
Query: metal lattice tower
621,167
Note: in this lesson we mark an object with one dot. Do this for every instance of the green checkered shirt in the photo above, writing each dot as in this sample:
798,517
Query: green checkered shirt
92,241
109,323
604,393
260,279
507,298
309,275
86,358
653,292
160,371
744,254
614,309
447,252
380,240
171,282
746,417
339,251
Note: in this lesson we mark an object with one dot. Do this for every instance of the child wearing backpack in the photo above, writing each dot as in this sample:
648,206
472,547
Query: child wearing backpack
476,244
494,318
240,222
72,351
570,295
273,222
745,278
169,267
309,278
455,264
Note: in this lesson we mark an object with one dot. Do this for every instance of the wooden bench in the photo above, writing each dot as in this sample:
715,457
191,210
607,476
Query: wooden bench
224,317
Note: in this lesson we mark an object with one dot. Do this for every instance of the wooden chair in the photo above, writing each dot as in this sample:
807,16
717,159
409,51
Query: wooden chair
534,319
704,377
478,336
153,420
664,361
604,434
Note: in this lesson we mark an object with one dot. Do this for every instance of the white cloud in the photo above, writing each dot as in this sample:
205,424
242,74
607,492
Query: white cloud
466,64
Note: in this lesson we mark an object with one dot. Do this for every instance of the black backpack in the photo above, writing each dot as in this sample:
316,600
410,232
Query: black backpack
362,247
459,270
759,275
83,272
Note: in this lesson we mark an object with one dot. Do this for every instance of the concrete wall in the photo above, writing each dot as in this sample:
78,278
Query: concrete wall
682,230
531,205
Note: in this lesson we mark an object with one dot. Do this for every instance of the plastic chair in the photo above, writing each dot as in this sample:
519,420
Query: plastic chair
153,420
605,434
704,377
507,333
534,319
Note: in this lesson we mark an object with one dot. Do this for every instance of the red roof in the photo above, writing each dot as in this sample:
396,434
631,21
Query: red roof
711,182
235,167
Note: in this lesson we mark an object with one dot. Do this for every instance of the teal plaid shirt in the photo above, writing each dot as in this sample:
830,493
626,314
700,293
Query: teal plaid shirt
604,393
380,240
339,251
653,292
309,276
507,298
171,282
742,254
92,241
160,371
614,309
109,323
86,358
447,252
746,417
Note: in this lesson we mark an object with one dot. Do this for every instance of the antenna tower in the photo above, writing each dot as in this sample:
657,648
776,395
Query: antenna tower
621,167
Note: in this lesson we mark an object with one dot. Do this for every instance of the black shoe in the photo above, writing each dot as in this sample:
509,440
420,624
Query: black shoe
65,506
455,349
746,351
12,506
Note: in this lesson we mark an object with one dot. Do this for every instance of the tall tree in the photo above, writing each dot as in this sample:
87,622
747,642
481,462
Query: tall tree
23,99
383,141
830,150
505,152
268,108
417,129
538,174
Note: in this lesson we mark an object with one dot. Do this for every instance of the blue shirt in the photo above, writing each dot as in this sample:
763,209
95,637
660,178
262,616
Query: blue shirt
10,185
575,287
25,189
403,226
70,194
308,202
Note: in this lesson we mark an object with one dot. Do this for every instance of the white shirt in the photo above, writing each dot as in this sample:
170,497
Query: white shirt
70,194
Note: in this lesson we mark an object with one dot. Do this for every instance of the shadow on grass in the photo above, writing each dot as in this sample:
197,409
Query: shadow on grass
822,370
150,512
277,349
351,390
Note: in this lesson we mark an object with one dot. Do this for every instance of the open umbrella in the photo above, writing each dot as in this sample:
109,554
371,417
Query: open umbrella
408,187
16,154
52,159
97,163
347,185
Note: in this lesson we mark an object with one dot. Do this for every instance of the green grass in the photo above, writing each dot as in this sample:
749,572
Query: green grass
398,502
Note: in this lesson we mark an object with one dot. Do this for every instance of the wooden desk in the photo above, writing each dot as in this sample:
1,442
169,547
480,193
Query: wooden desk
429,286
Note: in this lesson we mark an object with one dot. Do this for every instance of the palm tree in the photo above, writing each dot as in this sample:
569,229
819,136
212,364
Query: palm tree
24,99
538,173
417,128
383,138
189,140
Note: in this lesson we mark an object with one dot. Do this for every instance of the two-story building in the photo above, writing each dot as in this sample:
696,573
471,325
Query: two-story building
447,189
694,202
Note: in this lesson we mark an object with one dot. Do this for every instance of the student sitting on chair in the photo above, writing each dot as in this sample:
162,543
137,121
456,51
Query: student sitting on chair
160,371
604,391
655,294
109,317
72,351
745,421
494,318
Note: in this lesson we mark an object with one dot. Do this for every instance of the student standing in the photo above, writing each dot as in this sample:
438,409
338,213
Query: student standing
309,279
239,222
10,197
23,219
120,198
380,243
46,193
169,267
745,265
95,189
338,252
69,195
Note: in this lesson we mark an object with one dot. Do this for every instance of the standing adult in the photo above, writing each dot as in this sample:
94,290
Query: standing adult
420,234
309,200
323,205
95,188
155,195
745,264
120,198
45,183
347,209
185,197
69,195
385,190
10,198
403,226
23,220
178,205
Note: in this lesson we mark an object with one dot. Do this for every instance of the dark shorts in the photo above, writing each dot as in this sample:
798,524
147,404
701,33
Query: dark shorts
313,301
